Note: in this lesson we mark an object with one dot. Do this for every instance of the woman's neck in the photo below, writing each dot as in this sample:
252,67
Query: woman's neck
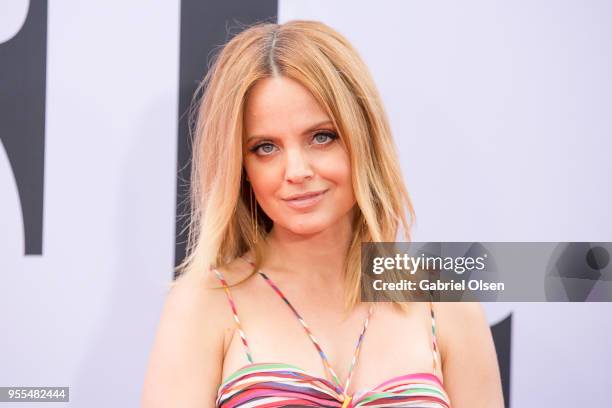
316,257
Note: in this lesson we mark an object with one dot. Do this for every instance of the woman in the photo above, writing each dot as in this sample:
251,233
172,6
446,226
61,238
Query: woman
294,166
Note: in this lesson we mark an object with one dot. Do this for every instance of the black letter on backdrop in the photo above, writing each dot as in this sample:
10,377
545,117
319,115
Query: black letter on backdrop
22,117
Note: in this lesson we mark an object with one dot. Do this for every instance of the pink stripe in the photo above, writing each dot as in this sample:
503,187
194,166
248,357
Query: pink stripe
415,376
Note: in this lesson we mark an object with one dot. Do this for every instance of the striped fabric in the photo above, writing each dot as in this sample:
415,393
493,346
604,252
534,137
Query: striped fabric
272,384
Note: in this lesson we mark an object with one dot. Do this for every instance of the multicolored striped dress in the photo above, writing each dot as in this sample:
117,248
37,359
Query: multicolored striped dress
274,384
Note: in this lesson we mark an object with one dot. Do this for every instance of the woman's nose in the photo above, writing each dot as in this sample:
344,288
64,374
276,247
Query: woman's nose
297,167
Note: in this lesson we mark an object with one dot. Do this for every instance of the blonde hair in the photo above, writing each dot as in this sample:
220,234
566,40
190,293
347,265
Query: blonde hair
220,224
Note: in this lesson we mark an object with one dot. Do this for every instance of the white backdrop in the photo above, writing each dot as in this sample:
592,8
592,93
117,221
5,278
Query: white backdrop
500,111
83,314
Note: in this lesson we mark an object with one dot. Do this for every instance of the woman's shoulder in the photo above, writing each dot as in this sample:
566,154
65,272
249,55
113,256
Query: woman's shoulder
235,273
467,350
458,322
192,328
463,335
195,325
459,311
202,292
198,292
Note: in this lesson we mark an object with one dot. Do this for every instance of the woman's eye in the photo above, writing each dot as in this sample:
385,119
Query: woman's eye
323,138
264,149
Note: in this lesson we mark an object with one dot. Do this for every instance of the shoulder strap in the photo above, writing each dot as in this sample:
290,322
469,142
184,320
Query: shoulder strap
433,338
236,319
315,342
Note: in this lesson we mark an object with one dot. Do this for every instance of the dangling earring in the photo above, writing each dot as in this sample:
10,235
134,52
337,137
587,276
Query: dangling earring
254,213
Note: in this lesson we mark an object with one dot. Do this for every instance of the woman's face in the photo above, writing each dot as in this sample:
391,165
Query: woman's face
298,167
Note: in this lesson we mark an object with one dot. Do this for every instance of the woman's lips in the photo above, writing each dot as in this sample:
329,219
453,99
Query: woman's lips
306,202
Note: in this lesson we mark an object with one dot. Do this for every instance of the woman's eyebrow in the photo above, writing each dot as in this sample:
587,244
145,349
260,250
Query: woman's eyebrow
318,125
310,129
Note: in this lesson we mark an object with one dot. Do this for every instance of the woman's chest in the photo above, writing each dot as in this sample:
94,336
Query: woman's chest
394,344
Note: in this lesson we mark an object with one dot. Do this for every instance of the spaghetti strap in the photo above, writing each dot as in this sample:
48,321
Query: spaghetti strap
433,338
326,364
236,319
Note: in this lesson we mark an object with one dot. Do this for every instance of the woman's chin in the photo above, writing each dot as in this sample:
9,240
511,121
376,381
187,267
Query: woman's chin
310,227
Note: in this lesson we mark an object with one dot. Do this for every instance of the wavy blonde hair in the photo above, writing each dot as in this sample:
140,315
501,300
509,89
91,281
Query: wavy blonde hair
220,225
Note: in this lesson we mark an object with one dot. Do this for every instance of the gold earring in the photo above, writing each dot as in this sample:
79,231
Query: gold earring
254,213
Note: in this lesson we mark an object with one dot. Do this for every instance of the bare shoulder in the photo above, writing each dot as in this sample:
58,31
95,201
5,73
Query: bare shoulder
469,360
458,314
459,320
185,361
